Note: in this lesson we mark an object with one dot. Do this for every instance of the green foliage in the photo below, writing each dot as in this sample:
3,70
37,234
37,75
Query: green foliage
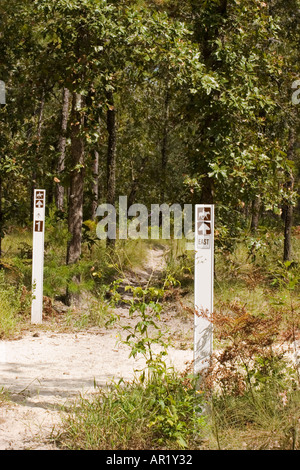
159,408
287,276
12,302
139,338
271,422
203,105
134,415
254,376
225,74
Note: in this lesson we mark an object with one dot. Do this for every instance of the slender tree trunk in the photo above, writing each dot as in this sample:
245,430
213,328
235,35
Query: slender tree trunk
38,134
207,193
95,185
75,214
164,146
76,182
288,208
1,217
136,182
206,37
111,155
288,223
59,189
255,213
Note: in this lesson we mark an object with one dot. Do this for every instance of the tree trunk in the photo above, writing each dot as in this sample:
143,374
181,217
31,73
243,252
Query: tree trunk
288,223
111,155
76,182
206,36
75,215
136,182
255,213
38,134
1,217
164,146
95,185
288,208
207,192
59,189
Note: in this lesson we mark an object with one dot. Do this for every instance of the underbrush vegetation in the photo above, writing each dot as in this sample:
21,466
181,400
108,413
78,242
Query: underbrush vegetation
250,396
13,303
158,413
98,271
253,383
159,409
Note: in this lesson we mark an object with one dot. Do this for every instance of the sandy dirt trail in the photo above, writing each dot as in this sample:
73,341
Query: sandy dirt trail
44,370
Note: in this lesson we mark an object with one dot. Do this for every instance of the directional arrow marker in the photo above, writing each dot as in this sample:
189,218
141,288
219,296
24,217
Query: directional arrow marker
39,203
204,228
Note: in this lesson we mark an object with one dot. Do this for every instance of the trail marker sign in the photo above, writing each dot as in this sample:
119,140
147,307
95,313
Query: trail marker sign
38,255
203,285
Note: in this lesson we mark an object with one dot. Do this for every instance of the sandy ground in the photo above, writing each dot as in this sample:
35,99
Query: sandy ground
44,370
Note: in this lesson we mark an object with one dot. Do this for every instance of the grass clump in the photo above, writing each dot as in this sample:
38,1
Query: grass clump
265,419
12,301
160,413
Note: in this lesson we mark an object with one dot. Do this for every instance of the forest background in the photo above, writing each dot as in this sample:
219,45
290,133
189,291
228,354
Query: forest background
186,102
163,102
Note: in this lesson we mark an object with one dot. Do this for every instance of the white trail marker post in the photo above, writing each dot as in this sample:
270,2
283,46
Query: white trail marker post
203,279
38,255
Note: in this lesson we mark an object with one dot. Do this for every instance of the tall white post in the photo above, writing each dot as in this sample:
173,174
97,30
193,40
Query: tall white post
203,279
38,255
